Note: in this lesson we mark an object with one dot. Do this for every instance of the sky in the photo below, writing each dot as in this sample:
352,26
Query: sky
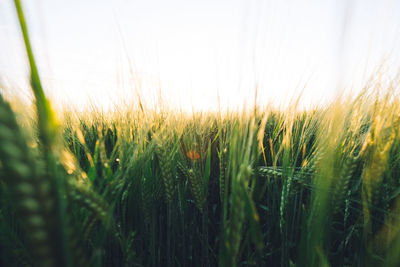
199,55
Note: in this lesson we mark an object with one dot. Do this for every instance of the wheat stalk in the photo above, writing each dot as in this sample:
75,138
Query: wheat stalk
166,172
31,191
196,187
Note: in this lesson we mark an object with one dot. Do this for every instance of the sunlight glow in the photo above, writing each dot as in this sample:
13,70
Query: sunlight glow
200,54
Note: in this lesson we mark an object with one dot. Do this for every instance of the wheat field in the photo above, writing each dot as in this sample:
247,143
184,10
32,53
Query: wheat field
260,187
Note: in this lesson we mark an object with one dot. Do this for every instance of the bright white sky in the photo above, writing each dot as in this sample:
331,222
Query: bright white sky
196,52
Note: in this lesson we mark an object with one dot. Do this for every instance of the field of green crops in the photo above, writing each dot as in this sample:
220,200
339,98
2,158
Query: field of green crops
262,187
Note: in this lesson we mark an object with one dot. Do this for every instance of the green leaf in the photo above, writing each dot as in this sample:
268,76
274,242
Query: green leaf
207,170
